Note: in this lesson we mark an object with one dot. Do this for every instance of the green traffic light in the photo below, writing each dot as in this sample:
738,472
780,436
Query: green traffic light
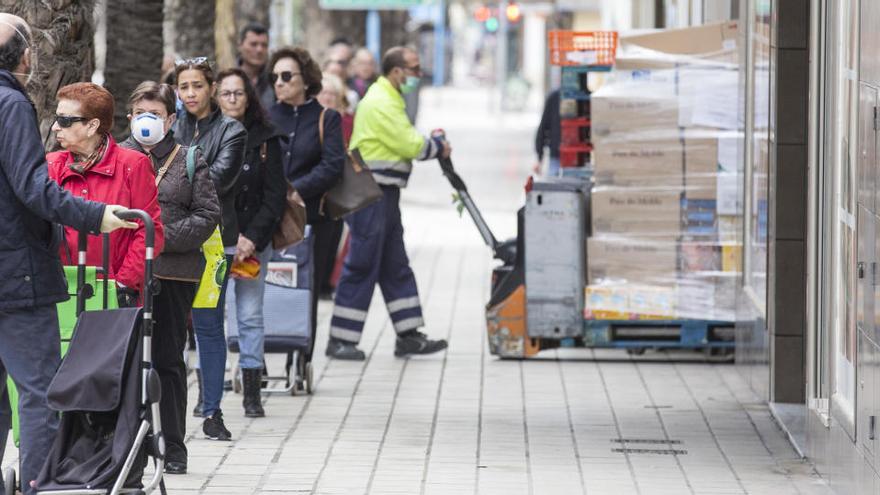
492,24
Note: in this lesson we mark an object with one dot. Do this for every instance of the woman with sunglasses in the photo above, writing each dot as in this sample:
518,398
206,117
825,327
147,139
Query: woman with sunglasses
312,165
94,167
191,212
259,204
222,141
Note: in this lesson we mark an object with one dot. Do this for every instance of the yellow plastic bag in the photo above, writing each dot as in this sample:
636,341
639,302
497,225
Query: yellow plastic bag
208,294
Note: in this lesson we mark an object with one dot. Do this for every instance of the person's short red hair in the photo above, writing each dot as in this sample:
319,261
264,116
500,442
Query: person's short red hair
95,102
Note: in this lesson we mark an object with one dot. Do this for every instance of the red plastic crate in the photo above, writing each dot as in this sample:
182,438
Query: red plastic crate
572,133
572,156
590,48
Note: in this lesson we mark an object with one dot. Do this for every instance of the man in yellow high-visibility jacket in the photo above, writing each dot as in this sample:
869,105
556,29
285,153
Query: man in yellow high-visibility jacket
388,143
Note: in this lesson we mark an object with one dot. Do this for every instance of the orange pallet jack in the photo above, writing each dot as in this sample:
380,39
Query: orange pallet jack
506,310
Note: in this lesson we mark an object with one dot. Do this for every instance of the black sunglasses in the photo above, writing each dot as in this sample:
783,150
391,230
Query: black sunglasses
285,76
66,121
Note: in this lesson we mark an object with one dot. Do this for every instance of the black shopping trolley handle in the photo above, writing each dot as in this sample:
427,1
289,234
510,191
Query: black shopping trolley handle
150,241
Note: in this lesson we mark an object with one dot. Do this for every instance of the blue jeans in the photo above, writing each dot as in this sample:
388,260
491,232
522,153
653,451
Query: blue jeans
30,351
249,310
211,340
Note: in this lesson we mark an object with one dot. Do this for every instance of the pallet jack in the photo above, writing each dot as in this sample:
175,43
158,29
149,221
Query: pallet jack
506,310
548,312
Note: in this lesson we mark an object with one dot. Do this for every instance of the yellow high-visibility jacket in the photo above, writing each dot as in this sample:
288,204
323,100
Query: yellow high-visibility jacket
386,139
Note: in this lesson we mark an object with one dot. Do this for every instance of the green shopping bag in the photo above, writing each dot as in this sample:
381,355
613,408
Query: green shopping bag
208,294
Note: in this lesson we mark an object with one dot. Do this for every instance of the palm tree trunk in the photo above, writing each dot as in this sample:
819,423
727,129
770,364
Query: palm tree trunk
232,17
63,34
131,58
193,30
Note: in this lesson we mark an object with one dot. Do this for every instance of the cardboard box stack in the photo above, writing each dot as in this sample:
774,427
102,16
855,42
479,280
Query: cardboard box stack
664,203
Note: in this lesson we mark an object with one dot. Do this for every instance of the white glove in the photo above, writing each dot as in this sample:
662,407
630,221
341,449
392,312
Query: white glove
111,222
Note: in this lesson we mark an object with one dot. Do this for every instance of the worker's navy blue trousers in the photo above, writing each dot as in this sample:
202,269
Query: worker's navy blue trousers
376,255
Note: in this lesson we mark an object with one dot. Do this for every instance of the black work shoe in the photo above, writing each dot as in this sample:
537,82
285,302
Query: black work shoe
174,467
214,428
340,349
415,342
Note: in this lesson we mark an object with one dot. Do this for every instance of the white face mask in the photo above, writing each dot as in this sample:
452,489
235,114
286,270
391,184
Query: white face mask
147,129
33,64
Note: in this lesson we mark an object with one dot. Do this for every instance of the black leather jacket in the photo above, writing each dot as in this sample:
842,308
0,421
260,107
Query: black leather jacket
222,140
261,190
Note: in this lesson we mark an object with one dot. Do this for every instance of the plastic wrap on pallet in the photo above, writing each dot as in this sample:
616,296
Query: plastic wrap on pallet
665,203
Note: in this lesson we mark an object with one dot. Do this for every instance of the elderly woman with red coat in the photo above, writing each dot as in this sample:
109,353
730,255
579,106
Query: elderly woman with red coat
94,167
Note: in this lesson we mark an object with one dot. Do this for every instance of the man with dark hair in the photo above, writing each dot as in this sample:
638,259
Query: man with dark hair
253,52
31,279
340,51
388,143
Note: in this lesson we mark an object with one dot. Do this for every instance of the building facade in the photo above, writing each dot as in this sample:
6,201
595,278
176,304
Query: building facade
808,308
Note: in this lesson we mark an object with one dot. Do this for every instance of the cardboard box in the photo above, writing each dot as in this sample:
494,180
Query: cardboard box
715,41
700,257
729,228
606,302
635,105
629,302
707,297
626,118
636,211
710,257
648,302
628,259
731,257
639,163
708,97
701,168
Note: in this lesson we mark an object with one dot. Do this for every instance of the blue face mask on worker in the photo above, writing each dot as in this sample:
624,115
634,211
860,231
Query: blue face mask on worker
147,129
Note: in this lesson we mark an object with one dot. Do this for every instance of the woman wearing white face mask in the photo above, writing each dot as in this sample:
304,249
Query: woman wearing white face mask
190,212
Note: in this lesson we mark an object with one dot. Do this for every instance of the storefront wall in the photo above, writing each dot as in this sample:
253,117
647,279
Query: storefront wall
774,93
808,308
843,401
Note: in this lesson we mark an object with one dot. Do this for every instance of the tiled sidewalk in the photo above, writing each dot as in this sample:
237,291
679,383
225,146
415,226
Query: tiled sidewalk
464,422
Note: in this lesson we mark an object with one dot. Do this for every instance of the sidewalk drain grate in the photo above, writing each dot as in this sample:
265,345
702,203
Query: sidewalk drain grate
644,440
651,451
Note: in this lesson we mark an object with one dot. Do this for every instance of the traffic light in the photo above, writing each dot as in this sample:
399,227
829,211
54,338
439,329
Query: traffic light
489,16
491,24
482,14
514,14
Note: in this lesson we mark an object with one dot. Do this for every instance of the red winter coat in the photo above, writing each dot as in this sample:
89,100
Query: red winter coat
123,177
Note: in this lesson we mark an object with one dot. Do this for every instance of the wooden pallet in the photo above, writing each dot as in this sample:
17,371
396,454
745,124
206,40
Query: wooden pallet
642,334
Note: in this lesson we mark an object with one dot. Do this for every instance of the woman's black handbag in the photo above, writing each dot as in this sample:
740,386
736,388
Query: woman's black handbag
355,191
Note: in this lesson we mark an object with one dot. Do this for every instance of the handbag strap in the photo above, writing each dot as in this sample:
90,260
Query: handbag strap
162,171
321,127
321,139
